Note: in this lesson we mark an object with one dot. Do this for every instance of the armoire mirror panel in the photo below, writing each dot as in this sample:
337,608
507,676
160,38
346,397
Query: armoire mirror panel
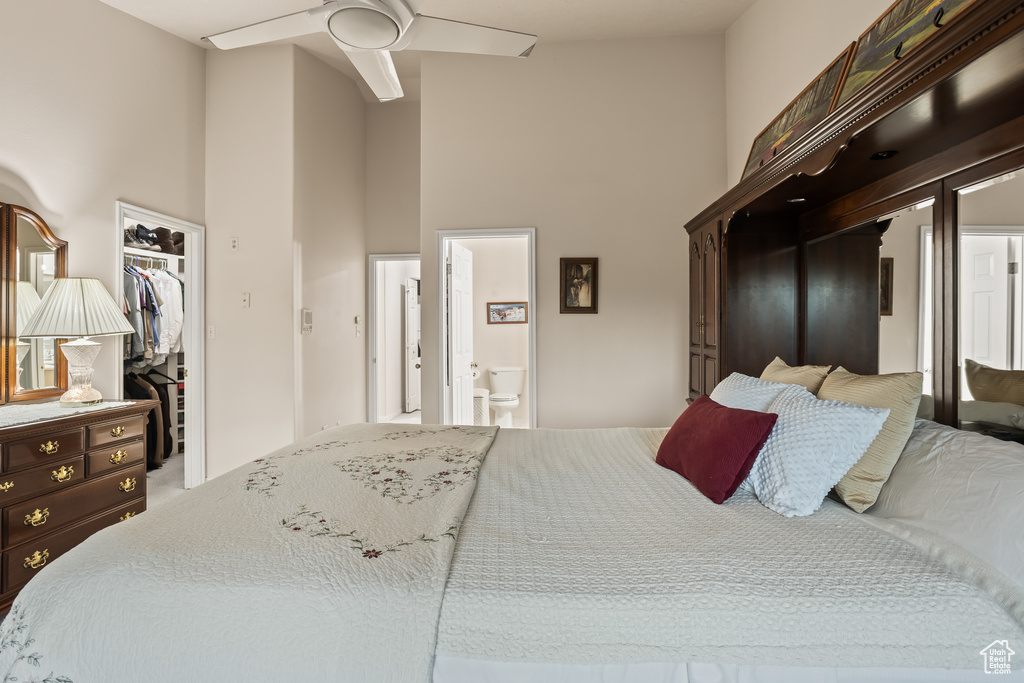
990,225
34,368
905,302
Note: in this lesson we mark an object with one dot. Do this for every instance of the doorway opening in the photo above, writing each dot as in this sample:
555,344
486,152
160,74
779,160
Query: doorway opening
393,346
487,327
175,365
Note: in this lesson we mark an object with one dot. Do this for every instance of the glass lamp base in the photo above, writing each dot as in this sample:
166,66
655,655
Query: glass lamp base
80,354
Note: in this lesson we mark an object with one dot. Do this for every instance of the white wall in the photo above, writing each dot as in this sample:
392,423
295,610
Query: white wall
285,175
393,177
329,244
501,273
250,387
774,51
98,106
607,148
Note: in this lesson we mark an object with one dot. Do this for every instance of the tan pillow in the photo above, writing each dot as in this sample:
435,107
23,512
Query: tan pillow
809,376
901,394
998,386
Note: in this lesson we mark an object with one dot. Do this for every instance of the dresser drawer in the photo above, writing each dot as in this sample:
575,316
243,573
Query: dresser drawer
117,430
15,486
46,448
22,563
39,516
120,455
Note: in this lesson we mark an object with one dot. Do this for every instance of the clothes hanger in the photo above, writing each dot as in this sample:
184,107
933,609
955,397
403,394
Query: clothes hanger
156,372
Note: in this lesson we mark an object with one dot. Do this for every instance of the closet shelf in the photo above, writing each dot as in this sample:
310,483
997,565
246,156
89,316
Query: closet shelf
170,258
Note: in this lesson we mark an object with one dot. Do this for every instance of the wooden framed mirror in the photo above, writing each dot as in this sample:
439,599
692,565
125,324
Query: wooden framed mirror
32,258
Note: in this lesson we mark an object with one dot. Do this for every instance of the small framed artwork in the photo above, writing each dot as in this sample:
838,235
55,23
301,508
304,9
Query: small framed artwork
805,112
904,26
507,312
885,286
577,285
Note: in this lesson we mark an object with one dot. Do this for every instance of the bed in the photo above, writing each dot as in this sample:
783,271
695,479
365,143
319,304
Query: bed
452,554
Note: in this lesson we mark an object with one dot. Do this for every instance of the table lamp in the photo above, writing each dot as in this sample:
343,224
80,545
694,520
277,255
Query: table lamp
77,308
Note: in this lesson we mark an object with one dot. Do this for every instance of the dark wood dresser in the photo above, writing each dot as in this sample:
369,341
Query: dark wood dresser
64,478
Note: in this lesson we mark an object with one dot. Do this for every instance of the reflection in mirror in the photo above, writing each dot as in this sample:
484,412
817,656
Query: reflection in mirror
35,268
991,234
905,298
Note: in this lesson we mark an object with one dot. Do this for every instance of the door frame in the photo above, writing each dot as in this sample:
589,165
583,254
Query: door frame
371,328
193,334
443,237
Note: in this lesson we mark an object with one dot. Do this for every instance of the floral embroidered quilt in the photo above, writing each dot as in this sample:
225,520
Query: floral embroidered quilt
323,561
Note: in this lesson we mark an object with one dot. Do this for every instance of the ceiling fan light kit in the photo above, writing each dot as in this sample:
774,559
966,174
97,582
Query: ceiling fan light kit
369,30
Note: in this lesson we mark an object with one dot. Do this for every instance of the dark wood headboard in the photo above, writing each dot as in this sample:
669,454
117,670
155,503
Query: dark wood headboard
797,241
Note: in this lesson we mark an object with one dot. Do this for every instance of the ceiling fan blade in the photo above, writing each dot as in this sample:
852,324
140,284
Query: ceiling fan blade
445,35
288,26
377,69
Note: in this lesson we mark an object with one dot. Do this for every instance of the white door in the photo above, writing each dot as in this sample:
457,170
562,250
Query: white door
412,345
984,301
460,333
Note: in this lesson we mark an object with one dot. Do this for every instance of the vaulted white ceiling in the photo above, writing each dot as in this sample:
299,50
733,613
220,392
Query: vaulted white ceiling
551,20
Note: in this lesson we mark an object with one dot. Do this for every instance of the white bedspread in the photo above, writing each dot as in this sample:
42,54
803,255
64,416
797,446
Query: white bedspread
578,548
325,561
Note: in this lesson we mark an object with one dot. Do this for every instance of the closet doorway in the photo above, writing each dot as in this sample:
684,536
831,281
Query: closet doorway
165,256
393,339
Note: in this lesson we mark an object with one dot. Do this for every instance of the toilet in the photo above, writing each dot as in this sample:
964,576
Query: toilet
506,385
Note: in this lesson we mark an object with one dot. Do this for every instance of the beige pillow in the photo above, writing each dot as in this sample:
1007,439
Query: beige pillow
901,394
998,386
809,376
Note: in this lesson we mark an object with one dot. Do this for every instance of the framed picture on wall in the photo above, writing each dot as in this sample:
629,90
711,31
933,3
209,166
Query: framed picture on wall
805,112
885,286
577,288
904,26
507,312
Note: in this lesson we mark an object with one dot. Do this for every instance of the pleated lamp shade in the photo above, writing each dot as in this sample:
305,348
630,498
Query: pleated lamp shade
28,303
76,307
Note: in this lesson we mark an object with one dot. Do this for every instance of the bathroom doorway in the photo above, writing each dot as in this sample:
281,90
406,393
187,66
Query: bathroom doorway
487,327
393,344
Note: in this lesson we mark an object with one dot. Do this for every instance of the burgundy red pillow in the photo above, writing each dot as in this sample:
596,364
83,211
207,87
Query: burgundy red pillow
714,446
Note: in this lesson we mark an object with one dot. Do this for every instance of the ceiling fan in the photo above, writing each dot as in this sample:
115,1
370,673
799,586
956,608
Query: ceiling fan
370,30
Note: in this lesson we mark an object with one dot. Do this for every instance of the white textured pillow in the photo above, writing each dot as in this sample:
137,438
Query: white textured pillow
813,445
747,393
965,487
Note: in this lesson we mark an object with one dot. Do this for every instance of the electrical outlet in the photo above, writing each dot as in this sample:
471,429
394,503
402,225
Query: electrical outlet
211,332
245,299
234,243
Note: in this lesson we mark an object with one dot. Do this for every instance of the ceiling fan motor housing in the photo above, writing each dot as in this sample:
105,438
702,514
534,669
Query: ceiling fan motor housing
367,25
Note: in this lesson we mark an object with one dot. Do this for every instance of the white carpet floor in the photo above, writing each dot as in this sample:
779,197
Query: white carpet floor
166,482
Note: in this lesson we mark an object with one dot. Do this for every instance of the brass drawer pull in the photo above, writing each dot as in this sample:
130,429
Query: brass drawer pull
37,518
6,486
63,474
127,515
118,458
128,485
50,447
37,559
117,431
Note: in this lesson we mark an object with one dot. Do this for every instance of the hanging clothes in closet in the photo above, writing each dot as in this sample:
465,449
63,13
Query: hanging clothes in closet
154,306
134,388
